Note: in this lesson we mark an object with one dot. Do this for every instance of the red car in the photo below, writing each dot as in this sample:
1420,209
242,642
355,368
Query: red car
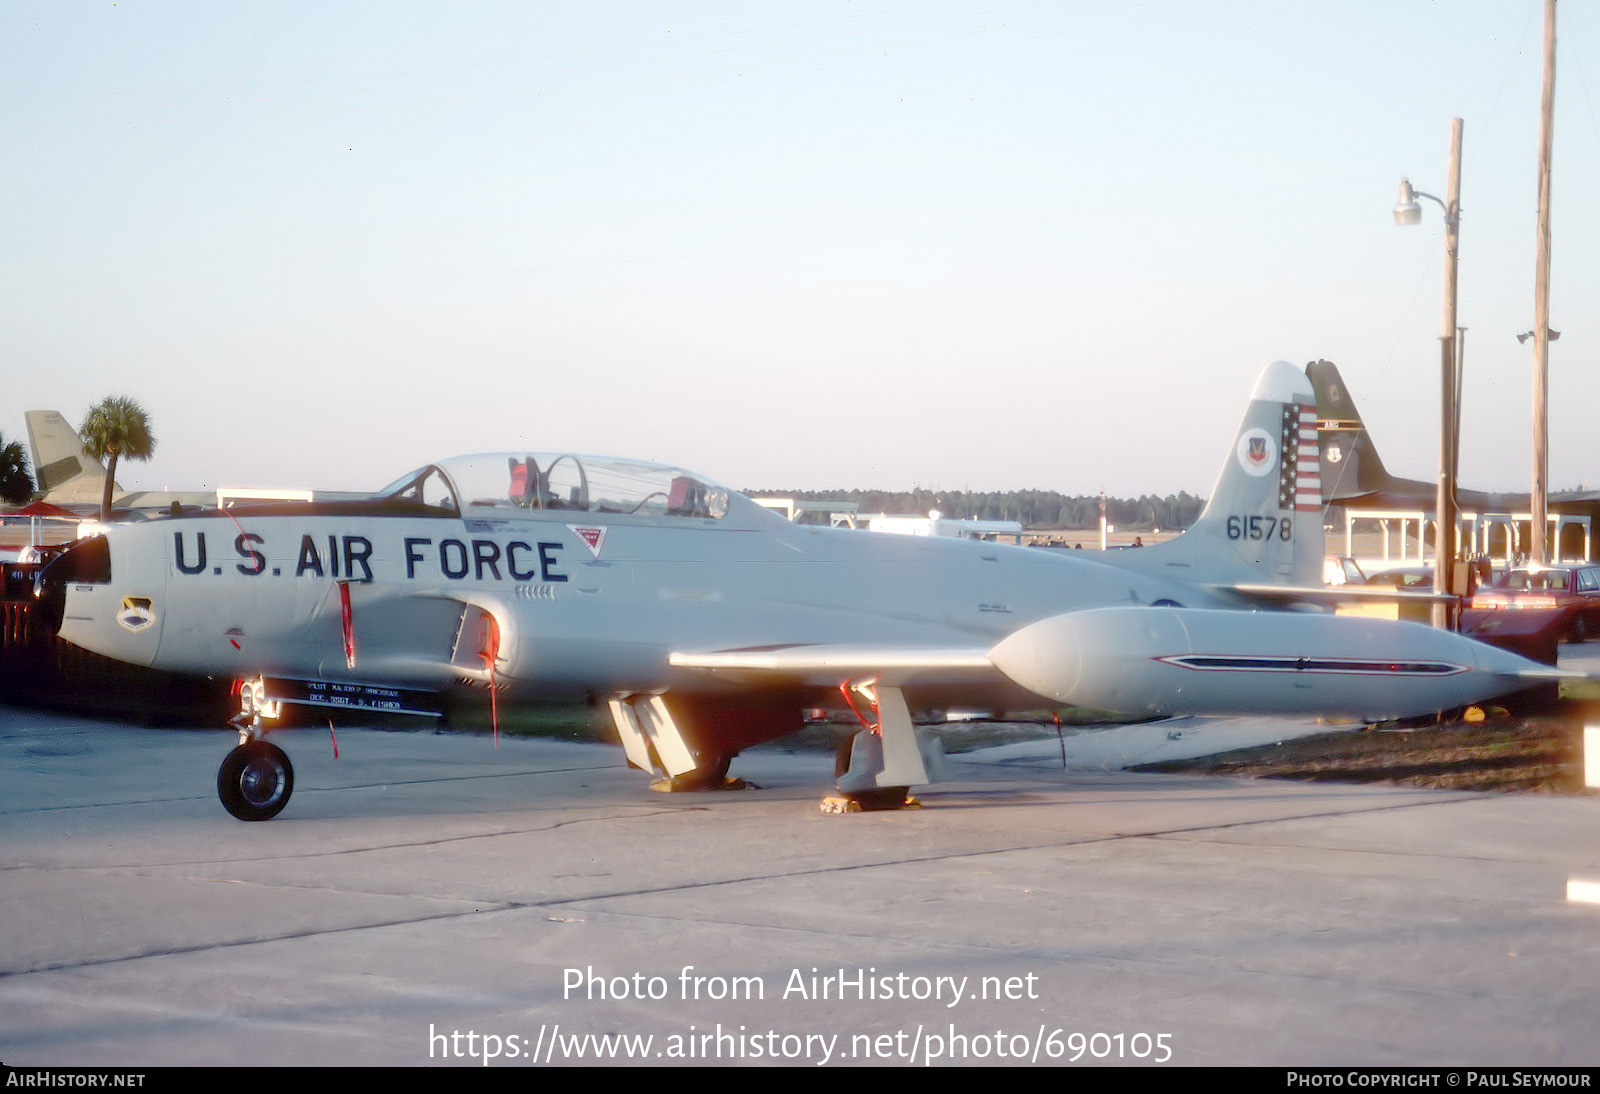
1572,590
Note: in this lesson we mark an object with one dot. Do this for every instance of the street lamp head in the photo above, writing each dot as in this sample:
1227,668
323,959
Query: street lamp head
1406,210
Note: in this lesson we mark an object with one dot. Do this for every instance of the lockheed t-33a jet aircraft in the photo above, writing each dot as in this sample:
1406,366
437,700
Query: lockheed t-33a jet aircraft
707,623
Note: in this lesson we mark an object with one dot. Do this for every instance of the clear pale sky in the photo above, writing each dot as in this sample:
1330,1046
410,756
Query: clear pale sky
962,245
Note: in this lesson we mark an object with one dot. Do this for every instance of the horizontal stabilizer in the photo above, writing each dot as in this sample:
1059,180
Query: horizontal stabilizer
1536,671
1336,594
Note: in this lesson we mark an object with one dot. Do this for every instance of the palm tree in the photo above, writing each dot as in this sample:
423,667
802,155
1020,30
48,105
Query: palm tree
116,427
16,484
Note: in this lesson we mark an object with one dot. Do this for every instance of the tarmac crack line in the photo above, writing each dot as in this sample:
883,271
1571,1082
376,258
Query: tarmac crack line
412,845
501,906
307,789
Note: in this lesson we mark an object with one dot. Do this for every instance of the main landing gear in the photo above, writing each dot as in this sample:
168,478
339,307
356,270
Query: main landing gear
870,799
876,769
654,741
710,775
256,778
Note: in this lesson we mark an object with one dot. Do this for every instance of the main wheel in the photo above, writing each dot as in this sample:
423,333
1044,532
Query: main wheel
880,798
255,781
711,775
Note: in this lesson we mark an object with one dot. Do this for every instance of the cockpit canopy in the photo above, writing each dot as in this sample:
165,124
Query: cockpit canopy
510,484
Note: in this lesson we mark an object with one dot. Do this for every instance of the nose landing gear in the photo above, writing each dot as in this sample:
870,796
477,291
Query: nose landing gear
255,781
256,778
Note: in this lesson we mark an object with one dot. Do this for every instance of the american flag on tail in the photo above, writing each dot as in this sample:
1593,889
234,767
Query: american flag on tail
1300,469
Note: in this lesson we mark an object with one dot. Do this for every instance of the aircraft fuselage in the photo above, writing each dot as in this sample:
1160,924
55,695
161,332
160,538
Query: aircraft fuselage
580,605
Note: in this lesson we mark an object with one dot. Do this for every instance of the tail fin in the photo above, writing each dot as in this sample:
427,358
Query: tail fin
1350,464
65,472
1263,523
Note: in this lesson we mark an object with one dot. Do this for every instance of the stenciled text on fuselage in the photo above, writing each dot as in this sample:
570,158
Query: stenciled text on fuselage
350,558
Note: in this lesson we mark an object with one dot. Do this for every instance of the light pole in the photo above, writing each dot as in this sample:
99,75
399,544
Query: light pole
1539,502
1408,212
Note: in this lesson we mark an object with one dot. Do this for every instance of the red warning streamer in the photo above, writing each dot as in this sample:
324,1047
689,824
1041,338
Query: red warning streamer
489,654
348,624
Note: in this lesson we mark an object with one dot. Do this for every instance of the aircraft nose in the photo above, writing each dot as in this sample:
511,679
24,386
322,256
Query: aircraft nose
88,561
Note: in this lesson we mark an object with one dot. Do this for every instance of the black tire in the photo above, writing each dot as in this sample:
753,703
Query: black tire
884,797
710,775
841,758
869,801
255,781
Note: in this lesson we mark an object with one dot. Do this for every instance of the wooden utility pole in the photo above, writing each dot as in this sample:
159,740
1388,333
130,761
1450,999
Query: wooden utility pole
1444,510
1539,550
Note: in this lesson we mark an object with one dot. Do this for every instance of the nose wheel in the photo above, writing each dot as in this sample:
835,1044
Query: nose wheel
255,781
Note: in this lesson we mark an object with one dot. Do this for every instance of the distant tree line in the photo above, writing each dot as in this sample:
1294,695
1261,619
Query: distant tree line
1034,509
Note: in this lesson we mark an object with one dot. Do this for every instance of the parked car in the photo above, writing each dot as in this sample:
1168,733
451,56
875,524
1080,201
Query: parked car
1573,590
1414,578
1406,578
1341,570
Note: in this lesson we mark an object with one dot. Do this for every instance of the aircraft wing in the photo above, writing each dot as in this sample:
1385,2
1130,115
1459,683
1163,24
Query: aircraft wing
827,664
1142,660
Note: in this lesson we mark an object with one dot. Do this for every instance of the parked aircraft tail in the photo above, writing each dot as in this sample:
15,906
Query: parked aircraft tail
1350,464
1263,523
65,472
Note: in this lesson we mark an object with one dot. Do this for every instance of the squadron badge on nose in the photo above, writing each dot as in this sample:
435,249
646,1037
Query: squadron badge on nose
135,613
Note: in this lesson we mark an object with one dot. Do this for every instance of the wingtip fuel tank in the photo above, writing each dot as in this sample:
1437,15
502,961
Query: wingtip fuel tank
1160,660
